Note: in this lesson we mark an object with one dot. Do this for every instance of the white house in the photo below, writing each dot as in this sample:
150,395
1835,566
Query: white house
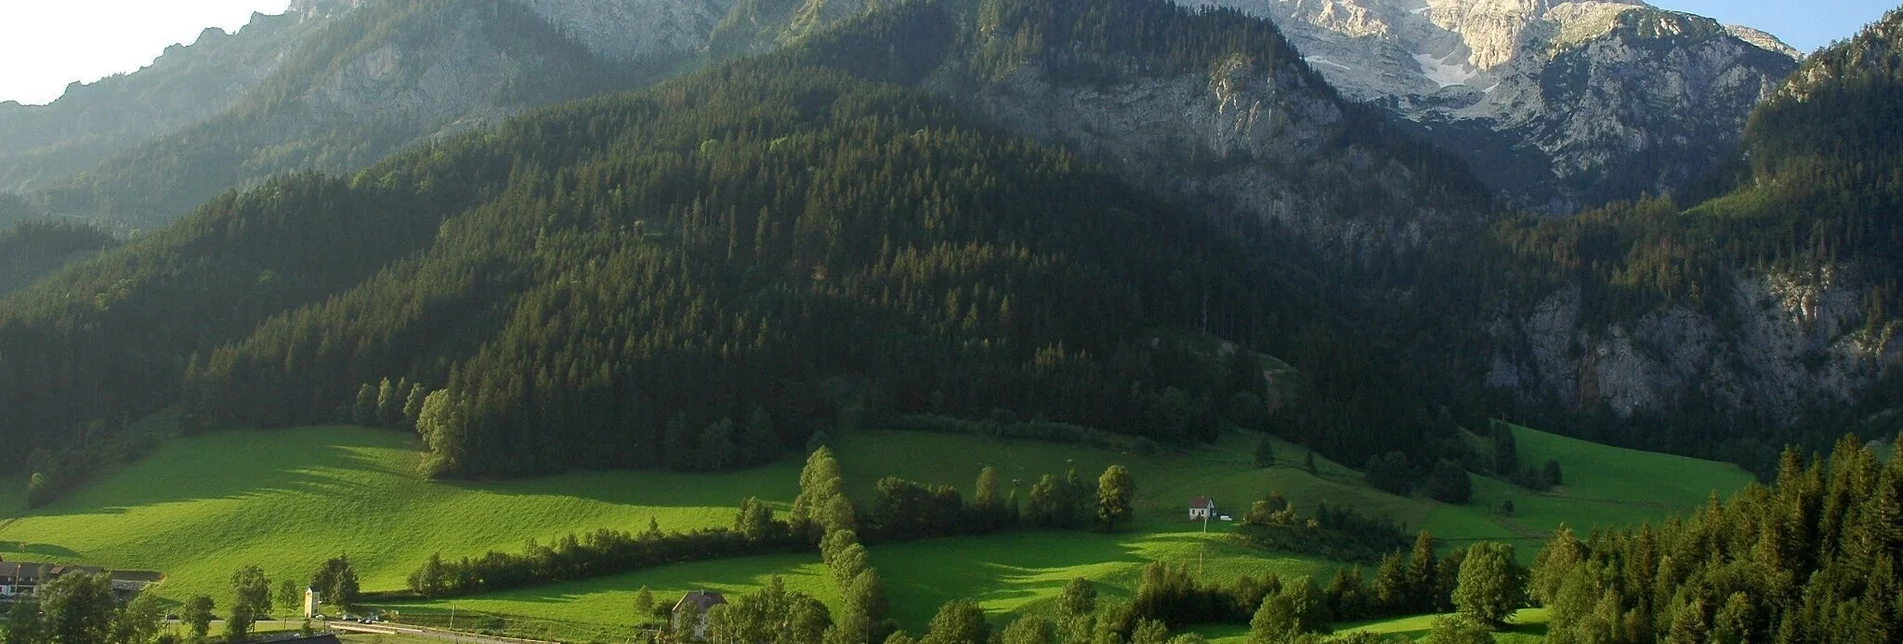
1202,508
312,600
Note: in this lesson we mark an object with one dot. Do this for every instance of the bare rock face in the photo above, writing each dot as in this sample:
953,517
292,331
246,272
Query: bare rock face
1783,342
1249,138
1557,105
625,29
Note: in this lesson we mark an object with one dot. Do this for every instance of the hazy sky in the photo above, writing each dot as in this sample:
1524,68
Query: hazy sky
45,44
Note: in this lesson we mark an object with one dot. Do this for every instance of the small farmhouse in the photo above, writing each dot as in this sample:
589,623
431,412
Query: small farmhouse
20,578
690,613
1202,508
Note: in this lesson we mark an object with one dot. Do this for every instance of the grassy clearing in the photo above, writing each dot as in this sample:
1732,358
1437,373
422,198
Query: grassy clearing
200,508
1604,485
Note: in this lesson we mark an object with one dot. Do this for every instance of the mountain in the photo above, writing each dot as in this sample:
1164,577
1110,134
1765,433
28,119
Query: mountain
1557,105
329,85
42,145
1213,107
693,275
1743,320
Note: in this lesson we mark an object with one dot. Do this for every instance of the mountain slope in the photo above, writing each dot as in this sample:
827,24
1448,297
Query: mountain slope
368,82
41,146
694,275
1212,106
749,255
1557,105
1772,305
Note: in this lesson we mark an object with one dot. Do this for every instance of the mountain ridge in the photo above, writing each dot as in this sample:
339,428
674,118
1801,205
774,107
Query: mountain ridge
1557,105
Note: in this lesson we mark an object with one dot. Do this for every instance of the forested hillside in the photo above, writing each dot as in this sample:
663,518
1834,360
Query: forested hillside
29,250
696,275
878,223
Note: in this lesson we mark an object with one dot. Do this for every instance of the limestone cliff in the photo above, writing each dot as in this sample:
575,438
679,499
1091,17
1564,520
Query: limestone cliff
1558,105
1775,345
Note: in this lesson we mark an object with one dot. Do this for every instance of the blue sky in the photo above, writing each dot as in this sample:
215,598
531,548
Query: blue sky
46,44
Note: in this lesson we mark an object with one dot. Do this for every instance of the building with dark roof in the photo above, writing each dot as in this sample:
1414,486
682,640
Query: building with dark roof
20,577
695,604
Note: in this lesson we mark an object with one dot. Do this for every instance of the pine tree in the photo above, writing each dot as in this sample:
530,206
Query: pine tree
1265,452
1423,573
1490,589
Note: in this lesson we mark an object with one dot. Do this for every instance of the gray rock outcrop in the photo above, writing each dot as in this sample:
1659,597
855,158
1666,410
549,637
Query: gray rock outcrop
1557,105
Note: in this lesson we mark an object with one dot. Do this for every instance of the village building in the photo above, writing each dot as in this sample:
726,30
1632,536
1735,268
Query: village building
1202,508
21,578
690,613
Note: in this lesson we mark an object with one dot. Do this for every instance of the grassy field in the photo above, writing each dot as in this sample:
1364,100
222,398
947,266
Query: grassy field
1604,485
201,507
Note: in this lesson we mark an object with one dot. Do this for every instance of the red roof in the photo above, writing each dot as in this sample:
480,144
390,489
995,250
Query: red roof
1202,502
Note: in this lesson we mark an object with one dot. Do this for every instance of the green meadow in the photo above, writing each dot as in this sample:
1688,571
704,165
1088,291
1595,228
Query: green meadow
201,507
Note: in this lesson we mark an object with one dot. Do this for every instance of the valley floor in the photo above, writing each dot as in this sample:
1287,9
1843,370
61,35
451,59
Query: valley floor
201,507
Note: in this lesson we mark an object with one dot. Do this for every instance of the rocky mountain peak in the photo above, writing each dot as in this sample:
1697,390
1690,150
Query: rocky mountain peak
1559,105
1763,40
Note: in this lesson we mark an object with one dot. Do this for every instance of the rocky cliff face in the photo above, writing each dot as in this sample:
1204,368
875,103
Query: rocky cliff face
1251,139
1558,105
626,29
1781,344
